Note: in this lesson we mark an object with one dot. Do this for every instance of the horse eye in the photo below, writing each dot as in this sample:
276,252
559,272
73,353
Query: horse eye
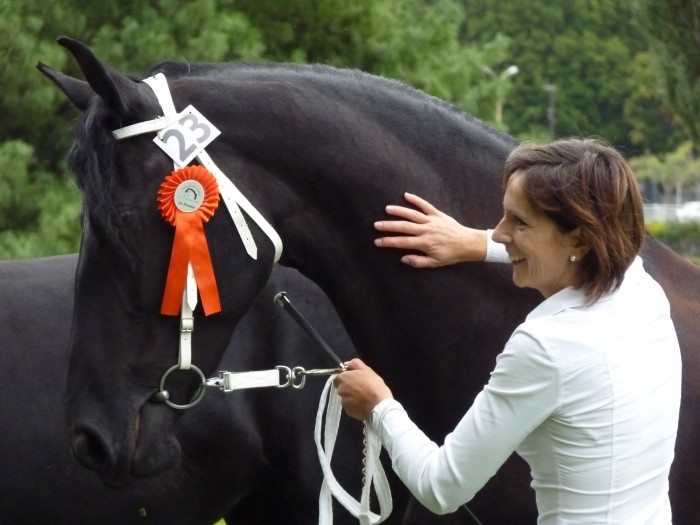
127,216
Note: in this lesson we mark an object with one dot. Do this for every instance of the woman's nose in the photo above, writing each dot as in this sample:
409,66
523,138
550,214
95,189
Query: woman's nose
500,233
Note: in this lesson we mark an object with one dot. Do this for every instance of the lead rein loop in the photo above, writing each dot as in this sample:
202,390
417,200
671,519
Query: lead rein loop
372,472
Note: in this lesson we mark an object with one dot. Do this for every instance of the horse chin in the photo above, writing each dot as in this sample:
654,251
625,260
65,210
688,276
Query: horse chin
148,449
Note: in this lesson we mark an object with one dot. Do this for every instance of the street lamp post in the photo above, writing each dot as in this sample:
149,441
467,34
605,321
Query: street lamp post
551,108
500,89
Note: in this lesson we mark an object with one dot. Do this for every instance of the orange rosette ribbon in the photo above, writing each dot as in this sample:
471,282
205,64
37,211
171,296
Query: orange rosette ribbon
187,199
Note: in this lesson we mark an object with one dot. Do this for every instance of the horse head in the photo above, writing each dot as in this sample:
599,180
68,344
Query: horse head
121,344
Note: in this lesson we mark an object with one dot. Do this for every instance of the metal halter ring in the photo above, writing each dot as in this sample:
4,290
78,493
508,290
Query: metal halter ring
164,396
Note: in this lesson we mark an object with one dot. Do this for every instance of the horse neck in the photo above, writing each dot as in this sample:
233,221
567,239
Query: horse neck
325,162
681,282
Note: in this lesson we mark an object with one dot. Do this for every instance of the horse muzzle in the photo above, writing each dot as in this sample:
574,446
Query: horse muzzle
147,447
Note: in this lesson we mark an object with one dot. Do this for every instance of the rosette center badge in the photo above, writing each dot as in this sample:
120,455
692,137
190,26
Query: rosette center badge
189,196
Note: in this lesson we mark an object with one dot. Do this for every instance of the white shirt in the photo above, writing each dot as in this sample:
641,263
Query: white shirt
587,395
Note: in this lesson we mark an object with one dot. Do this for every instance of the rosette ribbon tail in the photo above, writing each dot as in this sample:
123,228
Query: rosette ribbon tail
190,245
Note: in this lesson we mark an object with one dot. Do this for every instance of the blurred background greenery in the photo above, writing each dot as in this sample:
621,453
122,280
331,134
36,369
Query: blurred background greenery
627,71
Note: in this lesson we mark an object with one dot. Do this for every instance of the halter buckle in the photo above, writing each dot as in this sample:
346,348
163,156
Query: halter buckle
187,325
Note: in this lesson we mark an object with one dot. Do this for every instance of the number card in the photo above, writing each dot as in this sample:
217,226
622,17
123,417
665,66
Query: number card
187,137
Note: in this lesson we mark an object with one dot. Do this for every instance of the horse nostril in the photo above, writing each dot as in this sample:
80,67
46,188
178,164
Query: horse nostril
90,449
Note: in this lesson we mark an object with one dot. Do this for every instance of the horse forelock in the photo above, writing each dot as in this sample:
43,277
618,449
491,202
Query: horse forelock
92,159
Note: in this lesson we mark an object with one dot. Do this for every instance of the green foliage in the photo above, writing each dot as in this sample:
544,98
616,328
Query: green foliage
206,31
653,126
38,214
673,29
606,74
675,230
588,50
675,170
682,237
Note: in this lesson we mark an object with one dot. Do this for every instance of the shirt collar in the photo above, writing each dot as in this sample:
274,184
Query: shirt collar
572,298
563,299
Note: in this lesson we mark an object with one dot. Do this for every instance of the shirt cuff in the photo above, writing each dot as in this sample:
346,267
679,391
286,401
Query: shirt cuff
495,251
379,414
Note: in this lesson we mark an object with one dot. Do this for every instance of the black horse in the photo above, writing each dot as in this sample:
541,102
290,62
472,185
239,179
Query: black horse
319,151
231,457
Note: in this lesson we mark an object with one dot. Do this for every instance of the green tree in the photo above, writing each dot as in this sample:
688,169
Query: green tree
32,109
674,171
587,50
39,215
673,29
597,60
645,108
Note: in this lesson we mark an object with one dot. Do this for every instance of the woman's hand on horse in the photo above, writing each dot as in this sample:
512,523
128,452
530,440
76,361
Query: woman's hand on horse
441,239
360,389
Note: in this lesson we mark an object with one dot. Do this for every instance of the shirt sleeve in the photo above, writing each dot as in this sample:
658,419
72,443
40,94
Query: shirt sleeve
495,251
522,392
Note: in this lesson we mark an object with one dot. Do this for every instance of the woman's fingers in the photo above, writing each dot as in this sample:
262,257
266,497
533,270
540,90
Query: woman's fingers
421,204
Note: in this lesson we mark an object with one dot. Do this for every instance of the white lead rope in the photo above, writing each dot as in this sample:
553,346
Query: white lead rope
374,474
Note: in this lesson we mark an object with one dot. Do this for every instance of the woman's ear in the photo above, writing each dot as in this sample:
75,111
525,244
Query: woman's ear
576,242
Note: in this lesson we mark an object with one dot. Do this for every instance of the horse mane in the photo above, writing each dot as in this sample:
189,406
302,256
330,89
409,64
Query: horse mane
342,81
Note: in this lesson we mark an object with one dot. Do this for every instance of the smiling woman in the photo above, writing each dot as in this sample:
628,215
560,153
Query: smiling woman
587,389
541,254
586,195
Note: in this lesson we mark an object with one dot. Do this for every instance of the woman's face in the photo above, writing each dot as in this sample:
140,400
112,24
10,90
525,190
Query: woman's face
539,252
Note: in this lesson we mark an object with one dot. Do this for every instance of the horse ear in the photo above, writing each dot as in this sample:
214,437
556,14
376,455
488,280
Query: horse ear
121,94
78,91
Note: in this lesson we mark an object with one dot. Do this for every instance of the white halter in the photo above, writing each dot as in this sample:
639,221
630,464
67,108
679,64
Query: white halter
231,196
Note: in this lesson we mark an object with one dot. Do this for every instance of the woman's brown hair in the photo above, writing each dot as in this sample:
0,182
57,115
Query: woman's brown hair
586,184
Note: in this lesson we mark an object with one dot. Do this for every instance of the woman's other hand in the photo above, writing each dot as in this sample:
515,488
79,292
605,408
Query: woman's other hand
360,389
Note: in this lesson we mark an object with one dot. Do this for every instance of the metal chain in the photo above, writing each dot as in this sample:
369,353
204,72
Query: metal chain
365,445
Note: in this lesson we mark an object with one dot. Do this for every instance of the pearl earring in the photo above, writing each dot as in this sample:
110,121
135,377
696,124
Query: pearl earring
572,258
